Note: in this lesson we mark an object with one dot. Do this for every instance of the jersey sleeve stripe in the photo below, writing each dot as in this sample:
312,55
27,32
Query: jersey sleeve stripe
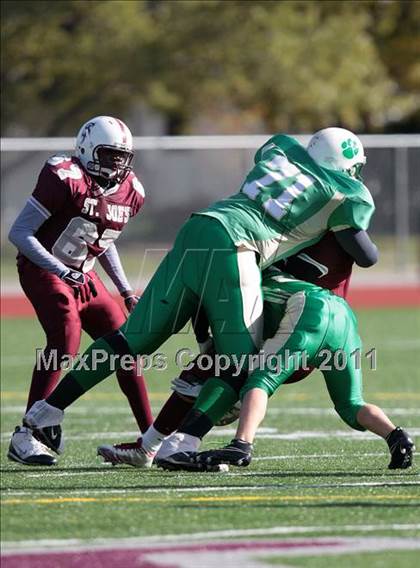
321,267
39,207
339,228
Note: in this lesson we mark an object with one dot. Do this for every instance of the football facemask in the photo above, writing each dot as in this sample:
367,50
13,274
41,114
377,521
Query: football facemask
111,164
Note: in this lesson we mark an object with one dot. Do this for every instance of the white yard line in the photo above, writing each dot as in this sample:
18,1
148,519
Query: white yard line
209,488
264,458
133,542
322,456
263,433
95,410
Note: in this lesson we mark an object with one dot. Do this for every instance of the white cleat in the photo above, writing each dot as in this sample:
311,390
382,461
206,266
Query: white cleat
178,442
26,449
45,421
130,453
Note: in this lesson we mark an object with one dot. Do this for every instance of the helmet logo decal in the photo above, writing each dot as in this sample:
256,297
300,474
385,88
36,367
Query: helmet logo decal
86,131
350,148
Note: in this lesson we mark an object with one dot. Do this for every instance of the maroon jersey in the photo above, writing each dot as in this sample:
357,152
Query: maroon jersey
81,219
325,264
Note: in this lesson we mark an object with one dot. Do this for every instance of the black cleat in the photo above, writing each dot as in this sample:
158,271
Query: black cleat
51,436
237,453
184,461
401,447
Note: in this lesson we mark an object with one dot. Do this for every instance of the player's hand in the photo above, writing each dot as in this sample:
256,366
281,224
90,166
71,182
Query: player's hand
130,300
73,278
82,284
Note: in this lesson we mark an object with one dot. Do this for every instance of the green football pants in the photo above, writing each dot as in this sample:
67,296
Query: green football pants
204,268
323,327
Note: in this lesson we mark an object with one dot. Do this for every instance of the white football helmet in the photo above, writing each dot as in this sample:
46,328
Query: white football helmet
337,149
104,146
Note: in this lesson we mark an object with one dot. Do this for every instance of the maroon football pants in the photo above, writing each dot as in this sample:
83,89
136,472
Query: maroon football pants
63,317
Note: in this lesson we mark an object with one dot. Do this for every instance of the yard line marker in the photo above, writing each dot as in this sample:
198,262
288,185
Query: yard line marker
228,533
107,470
262,433
218,488
319,411
87,409
264,458
208,499
317,456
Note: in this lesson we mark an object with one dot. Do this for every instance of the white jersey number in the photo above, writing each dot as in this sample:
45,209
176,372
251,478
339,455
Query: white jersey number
282,170
71,247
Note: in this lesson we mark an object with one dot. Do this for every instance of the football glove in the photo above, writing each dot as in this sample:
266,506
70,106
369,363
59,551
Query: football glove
73,278
130,300
83,286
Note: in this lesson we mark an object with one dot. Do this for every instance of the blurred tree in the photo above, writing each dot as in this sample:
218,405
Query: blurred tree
395,27
63,61
292,65
297,65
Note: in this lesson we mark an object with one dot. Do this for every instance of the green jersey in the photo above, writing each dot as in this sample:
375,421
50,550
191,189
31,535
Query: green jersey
288,202
277,288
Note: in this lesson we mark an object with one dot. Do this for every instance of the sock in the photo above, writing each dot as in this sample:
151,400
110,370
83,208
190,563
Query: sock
172,414
43,383
65,393
134,388
215,399
80,380
152,440
179,442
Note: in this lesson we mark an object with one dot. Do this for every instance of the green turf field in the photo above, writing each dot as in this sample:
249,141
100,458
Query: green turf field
312,475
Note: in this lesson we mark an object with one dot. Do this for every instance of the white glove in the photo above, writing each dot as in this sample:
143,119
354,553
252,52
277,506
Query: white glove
186,388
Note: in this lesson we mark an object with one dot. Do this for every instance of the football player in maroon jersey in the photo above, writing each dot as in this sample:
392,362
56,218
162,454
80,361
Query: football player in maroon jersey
79,207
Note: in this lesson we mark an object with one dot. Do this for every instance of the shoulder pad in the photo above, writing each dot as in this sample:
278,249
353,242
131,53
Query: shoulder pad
65,167
137,185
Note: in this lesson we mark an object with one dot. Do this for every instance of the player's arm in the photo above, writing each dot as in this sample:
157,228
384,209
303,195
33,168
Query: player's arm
111,263
358,245
22,235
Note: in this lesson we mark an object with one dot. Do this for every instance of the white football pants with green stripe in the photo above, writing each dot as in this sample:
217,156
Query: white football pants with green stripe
323,327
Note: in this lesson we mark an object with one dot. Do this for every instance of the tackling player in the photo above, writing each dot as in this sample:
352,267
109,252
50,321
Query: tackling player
288,201
325,264
79,207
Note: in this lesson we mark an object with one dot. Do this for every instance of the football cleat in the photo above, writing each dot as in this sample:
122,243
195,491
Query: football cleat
45,420
52,437
185,461
130,453
178,442
401,447
238,453
26,449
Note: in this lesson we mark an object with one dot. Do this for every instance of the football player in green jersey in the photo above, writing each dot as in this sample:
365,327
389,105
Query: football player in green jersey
288,201
302,319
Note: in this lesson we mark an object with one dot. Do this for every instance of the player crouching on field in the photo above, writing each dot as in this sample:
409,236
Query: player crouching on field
315,322
79,207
